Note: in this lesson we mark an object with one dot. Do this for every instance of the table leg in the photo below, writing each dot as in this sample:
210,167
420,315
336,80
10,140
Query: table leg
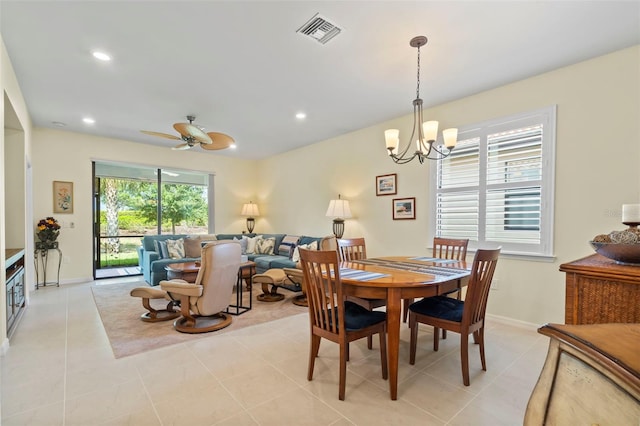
394,308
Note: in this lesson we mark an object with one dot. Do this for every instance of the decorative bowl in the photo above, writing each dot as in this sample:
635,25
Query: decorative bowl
621,253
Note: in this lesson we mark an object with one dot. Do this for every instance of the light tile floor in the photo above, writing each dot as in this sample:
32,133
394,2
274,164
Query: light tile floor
60,370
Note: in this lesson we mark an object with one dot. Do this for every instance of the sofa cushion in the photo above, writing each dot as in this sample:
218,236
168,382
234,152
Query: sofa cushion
148,241
295,257
243,243
282,262
161,249
175,248
289,242
265,245
278,238
230,236
265,262
308,240
251,244
192,247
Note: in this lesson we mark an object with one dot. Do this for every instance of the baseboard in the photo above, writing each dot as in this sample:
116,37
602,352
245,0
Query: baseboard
514,322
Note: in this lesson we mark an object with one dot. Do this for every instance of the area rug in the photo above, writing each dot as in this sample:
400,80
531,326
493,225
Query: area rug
120,314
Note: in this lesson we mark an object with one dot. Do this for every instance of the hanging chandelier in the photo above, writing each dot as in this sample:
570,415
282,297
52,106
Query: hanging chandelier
425,134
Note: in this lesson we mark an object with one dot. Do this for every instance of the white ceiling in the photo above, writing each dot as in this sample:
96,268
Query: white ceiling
242,69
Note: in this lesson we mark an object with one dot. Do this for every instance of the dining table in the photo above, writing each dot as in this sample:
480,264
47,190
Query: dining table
396,278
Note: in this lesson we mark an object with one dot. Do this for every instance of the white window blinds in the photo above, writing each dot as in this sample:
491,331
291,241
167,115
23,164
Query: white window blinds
497,185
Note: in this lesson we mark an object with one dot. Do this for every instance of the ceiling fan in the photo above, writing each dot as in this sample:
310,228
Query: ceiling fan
191,135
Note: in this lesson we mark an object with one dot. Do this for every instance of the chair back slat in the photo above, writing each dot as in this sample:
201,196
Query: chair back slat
352,249
324,289
450,248
475,302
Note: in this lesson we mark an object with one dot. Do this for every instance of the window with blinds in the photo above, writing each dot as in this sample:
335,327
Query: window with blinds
497,185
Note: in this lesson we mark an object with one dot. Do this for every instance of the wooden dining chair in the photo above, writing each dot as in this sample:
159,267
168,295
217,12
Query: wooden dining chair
443,248
334,318
350,249
464,317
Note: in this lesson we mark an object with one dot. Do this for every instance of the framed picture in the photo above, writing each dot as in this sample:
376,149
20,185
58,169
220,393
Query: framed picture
386,185
62,197
404,208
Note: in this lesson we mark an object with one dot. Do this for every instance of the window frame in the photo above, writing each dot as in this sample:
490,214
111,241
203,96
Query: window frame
546,116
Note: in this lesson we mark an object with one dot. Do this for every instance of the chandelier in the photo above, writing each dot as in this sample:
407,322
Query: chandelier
425,134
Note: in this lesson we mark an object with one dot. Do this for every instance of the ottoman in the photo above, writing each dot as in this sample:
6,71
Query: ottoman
277,278
155,315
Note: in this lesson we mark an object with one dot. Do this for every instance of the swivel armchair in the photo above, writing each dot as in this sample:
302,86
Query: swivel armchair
202,303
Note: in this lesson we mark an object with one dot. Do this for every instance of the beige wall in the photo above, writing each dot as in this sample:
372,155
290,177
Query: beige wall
598,106
598,148
14,148
67,156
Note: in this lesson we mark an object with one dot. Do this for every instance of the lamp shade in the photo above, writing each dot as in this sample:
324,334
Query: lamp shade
250,209
339,209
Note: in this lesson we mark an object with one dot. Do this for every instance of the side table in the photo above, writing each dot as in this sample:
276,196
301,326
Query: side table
245,272
41,257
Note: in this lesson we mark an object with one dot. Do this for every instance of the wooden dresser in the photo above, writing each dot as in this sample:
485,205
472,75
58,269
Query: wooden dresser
591,376
598,290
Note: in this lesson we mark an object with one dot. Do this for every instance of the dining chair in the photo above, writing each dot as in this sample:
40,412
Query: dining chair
350,249
464,317
333,317
443,248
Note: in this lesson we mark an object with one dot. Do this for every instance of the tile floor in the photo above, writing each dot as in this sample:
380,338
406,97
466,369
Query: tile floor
60,370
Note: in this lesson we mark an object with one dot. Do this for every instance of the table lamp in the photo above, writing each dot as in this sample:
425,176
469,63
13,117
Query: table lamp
250,209
339,210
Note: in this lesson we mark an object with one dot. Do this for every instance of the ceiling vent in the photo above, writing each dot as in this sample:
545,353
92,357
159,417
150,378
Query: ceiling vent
319,29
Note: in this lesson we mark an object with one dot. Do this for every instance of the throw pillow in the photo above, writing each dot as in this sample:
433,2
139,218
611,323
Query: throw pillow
175,248
243,244
265,245
161,249
296,254
192,247
251,243
287,245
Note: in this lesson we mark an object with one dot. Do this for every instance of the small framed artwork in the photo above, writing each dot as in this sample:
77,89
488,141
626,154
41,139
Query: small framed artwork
386,185
62,197
404,208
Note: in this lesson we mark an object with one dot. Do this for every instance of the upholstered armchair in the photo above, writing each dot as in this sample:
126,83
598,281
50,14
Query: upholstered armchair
202,302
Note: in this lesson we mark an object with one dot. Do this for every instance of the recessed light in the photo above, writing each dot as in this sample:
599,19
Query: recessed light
101,56
89,120
233,146
58,123
301,116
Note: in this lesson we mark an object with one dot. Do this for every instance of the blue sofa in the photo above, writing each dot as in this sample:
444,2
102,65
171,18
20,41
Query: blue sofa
153,267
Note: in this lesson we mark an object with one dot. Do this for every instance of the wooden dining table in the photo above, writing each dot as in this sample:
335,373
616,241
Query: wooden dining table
397,278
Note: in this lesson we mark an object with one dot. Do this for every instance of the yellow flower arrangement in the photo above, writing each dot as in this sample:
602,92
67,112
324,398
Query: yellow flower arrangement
48,230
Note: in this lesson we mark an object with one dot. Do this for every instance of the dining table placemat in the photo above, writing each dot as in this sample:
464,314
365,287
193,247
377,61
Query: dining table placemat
441,271
434,259
360,275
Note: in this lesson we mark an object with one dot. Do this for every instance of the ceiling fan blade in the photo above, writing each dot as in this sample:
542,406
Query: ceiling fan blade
182,146
190,131
162,135
220,141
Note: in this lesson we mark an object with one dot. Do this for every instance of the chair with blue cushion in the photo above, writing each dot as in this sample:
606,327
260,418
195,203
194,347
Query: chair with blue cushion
350,249
464,317
443,248
333,317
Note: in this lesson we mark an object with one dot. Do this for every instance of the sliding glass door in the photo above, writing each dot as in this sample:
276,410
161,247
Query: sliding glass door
132,201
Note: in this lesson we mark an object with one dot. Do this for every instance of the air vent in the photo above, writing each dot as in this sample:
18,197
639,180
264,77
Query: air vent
319,29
